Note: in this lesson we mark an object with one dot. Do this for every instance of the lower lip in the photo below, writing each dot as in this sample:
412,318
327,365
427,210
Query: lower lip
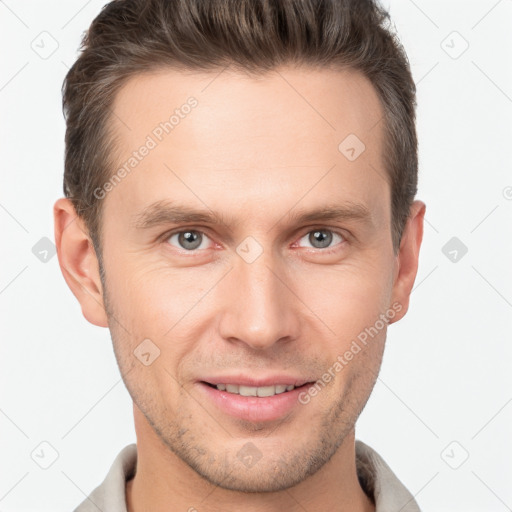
253,408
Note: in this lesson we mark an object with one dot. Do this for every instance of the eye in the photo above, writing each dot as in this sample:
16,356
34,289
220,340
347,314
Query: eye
189,240
322,238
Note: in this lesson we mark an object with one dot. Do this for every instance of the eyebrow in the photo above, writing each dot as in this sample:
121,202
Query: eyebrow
170,212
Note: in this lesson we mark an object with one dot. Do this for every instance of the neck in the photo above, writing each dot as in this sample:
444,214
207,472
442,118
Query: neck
163,482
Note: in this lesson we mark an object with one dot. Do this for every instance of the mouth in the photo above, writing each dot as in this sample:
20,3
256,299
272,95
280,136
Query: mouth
255,403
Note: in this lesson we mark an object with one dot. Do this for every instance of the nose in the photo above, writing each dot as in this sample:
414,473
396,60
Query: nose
259,308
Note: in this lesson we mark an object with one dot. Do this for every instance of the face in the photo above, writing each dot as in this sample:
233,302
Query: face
285,277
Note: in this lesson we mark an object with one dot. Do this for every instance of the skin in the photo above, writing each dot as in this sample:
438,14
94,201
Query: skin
254,150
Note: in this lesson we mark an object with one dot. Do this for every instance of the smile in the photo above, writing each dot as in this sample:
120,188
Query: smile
260,391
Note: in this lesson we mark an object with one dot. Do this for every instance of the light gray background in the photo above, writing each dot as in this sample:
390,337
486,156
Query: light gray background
444,392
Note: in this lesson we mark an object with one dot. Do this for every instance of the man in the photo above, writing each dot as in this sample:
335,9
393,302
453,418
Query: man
240,180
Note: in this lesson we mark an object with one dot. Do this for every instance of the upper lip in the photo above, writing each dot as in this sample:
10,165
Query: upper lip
244,380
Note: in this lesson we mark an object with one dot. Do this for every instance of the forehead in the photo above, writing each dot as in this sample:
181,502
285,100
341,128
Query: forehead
308,102
284,132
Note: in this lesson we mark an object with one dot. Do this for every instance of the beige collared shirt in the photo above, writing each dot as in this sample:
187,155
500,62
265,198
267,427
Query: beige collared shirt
376,477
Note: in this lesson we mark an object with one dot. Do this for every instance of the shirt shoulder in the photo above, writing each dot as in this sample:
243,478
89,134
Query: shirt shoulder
110,494
380,483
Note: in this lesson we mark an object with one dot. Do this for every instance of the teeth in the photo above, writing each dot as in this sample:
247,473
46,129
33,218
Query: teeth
247,391
255,391
232,388
265,391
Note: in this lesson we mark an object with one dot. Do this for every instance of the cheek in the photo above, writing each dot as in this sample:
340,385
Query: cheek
151,303
348,298
165,306
154,296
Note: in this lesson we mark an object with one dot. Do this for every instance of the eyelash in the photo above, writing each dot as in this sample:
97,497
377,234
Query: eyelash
328,250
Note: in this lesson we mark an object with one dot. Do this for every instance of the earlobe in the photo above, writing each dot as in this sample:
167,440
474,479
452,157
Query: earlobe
408,257
78,261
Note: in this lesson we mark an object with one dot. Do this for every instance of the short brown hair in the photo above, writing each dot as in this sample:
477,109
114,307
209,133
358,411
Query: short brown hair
129,37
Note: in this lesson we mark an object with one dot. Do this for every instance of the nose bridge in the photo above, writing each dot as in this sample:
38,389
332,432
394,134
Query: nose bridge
258,309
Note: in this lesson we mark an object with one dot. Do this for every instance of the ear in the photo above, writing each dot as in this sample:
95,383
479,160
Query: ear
78,261
406,262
